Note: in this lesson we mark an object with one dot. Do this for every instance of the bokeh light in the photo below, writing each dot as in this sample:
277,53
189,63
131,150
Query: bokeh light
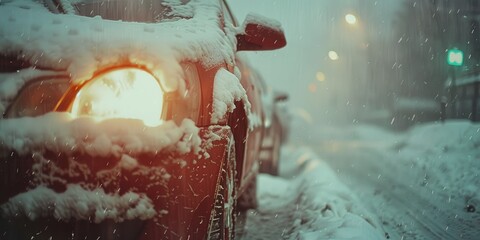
320,76
333,55
351,19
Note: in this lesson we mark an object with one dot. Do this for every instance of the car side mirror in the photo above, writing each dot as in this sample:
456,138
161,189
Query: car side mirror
280,97
260,33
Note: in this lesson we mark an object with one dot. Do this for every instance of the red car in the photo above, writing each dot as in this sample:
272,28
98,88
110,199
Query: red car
128,119
276,131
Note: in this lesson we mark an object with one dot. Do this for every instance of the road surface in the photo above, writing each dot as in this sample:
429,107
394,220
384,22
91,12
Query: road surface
390,186
400,196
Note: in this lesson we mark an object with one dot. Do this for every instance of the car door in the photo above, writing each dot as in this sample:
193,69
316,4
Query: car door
255,121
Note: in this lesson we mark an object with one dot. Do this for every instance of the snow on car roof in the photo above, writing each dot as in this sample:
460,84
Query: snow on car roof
82,45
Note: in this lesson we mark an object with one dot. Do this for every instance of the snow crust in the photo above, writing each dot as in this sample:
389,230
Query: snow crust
78,203
65,42
62,133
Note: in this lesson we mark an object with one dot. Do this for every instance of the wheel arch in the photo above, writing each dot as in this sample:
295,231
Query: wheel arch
238,123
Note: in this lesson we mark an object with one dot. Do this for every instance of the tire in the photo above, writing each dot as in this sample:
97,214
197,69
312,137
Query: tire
277,143
271,165
222,223
248,200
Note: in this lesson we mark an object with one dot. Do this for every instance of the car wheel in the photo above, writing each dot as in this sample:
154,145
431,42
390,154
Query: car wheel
222,223
277,142
271,166
248,200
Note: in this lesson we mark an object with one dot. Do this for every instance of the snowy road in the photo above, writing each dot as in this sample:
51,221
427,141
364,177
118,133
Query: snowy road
408,198
367,183
407,209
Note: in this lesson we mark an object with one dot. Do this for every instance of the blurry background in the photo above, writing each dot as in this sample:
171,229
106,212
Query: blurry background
381,62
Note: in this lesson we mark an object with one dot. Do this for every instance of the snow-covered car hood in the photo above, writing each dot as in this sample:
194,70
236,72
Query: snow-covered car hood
82,45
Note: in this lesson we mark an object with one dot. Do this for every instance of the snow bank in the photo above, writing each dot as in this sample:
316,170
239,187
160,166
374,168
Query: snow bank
78,203
440,136
332,211
62,133
314,204
445,156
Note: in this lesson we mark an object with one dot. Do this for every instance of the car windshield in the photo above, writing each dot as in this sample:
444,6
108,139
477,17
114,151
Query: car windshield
147,11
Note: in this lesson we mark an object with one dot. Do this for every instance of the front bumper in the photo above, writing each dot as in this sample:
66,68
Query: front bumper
131,192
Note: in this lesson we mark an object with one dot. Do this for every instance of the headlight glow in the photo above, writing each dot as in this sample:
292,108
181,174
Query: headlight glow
124,93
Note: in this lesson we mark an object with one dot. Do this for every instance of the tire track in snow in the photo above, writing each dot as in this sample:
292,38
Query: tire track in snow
415,210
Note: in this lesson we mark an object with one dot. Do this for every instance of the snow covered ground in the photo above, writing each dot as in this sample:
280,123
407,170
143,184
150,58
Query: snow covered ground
308,201
421,184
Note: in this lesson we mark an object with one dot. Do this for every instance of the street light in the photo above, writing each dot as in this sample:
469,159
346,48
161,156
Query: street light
333,55
454,59
320,76
350,19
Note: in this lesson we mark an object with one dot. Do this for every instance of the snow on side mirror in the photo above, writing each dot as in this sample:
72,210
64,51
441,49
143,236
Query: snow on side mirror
260,33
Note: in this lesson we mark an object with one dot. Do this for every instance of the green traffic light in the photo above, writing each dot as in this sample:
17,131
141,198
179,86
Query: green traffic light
455,57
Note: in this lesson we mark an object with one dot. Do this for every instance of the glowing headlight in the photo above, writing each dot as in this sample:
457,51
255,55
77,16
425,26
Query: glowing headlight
125,93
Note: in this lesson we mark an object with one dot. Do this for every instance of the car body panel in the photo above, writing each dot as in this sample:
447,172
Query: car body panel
254,134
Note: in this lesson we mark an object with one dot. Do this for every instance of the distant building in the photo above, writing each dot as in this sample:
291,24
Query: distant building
466,104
